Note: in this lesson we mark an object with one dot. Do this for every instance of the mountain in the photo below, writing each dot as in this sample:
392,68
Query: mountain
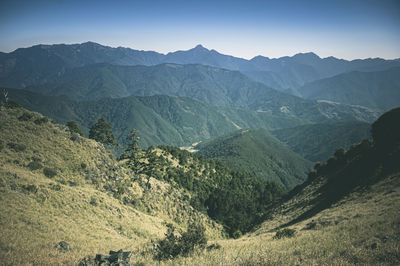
203,56
176,120
318,142
259,153
378,90
209,84
33,65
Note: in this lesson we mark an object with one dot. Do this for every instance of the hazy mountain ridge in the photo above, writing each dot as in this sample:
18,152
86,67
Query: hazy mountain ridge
27,66
379,90
211,85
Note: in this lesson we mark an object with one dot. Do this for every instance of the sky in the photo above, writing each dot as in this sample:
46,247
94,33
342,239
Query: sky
346,29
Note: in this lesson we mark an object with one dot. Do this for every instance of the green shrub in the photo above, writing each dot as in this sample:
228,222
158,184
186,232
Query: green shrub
16,147
213,246
75,137
286,232
83,165
35,165
172,246
93,201
49,172
237,234
1,145
55,187
30,188
72,183
25,116
41,120
73,127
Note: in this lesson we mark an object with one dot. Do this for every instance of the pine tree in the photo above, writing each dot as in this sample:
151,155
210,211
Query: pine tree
133,152
101,132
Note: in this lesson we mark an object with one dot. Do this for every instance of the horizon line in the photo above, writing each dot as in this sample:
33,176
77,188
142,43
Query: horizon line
198,45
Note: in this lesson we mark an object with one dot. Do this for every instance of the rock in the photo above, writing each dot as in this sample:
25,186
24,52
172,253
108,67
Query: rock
63,246
115,258
213,246
311,225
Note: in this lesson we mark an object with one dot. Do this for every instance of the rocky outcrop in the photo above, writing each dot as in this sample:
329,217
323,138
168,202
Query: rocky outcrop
115,258
63,246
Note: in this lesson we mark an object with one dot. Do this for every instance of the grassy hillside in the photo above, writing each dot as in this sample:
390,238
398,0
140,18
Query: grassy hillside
55,187
259,153
362,229
319,141
379,90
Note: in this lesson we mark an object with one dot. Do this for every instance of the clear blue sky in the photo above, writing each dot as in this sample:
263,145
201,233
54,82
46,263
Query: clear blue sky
343,28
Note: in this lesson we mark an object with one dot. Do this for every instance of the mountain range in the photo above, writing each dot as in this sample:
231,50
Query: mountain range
180,121
33,65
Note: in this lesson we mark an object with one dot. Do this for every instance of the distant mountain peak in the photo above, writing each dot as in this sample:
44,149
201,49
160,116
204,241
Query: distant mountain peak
259,58
91,44
200,47
309,55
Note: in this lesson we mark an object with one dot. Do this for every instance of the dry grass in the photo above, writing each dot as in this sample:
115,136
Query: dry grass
36,212
363,229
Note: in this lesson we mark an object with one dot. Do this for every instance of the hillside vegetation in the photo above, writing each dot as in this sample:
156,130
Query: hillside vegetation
259,153
236,199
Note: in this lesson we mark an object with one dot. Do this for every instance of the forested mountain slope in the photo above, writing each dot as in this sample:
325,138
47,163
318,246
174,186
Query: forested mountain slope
259,153
318,142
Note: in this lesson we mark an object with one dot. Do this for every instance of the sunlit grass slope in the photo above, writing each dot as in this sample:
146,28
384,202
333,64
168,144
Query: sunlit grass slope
362,229
55,186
